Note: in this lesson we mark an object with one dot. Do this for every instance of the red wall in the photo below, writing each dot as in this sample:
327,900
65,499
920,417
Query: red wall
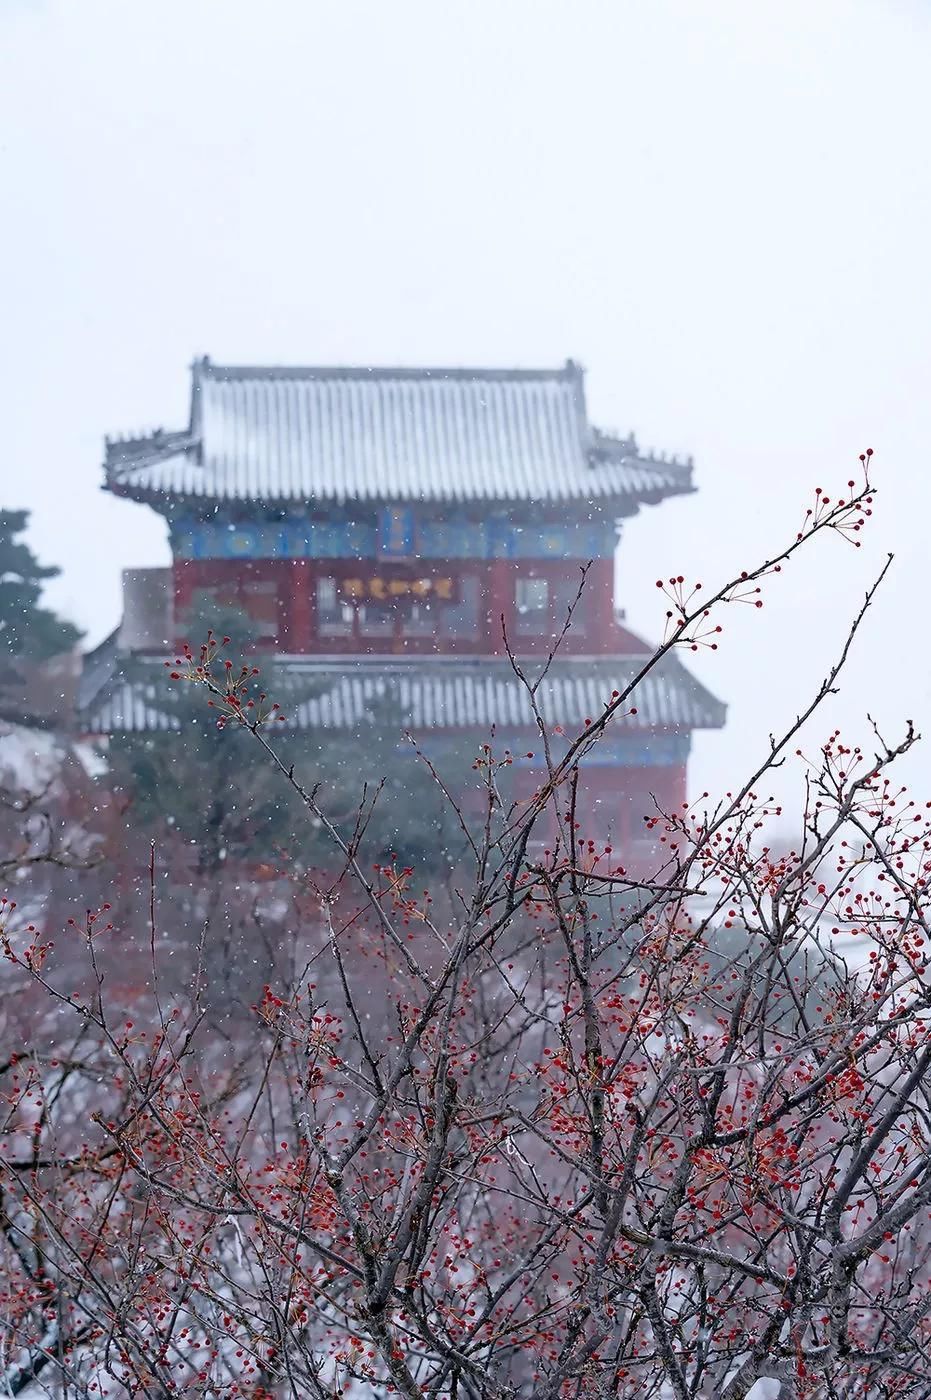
611,805
297,631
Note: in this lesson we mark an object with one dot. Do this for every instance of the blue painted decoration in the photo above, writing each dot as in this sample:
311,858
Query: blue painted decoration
621,751
395,532
397,535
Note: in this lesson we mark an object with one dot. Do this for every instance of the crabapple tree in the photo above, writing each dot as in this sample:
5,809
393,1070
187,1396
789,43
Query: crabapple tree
557,1131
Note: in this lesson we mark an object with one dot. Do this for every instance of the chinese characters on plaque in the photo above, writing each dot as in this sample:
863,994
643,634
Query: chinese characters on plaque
396,532
382,588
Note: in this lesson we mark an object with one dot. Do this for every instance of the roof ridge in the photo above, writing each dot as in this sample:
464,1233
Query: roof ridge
346,661
491,373
128,450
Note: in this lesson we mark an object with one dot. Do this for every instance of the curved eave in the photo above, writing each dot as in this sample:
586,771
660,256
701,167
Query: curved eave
619,504
454,696
628,507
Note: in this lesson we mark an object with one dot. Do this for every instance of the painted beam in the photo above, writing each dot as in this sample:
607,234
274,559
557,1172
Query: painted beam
394,539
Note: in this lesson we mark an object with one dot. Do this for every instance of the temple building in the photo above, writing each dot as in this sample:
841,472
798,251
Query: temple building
393,533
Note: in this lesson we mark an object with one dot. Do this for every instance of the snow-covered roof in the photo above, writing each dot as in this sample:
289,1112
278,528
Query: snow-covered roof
30,759
355,434
340,693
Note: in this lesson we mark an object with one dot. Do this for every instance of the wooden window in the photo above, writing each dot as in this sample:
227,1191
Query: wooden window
532,598
419,620
376,619
260,601
565,591
460,619
334,617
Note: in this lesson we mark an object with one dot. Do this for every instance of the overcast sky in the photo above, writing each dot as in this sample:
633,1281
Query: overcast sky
722,209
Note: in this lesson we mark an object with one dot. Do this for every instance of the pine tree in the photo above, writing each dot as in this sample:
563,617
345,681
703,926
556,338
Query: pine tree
205,786
215,791
410,819
27,630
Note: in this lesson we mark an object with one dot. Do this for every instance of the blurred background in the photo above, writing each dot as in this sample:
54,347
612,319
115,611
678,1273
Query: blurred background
721,210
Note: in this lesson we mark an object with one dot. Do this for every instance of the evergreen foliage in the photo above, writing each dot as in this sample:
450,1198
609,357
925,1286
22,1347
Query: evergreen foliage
27,629
216,791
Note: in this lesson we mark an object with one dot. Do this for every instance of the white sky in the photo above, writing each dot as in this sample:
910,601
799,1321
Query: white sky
722,209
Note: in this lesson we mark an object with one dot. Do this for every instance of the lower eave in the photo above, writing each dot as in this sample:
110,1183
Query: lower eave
343,694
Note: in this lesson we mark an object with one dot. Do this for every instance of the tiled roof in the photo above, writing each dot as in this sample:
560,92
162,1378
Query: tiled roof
343,694
99,669
336,435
